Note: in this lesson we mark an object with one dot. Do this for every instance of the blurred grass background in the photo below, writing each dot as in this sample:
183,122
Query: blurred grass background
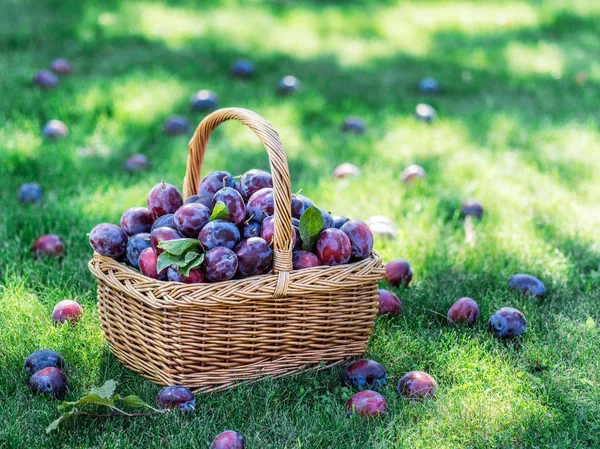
518,129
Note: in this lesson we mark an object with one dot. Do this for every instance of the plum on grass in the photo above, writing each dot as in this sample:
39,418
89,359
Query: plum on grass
346,170
412,173
367,403
162,235
527,284
261,204
354,125
417,385
382,226
220,264
507,322
204,100
175,397
136,220
234,201
365,373
191,218
55,129
45,79
333,247
228,439
66,310
254,180
147,263
135,245
43,359
361,239
164,199
288,84
30,193
254,257
429,86
193,277
425,113
242,68
108,240
219,233
304,259
62,66
51,381
250,229
165,221
214,182
176,125
136,163
471,208
389,303
463,311
48,245
338,221
398,272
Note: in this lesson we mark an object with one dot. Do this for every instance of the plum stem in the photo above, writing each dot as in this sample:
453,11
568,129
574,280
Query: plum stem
122,413
164,186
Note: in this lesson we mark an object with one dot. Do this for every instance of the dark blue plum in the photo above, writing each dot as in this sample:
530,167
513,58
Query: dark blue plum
30,193
220,264
338,221
328,219
254,257
288,84
507,322
364,373
471,208
205,200
219,233
204,100
250,229
215,181
135,245
527,284
429,86
45,79
137,163
176,125
176,398
43,359
261,204
354,125
55,129
305,200
165,221
242,68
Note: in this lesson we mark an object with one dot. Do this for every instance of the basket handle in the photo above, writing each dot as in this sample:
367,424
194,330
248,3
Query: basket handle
282,239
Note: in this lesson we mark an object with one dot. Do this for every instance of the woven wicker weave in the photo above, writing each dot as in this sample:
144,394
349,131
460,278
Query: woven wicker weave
210,337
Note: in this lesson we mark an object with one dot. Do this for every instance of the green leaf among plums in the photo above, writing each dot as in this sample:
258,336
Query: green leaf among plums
311,224
192,264
166,259
191,256
90,399
133,401
107,390
178,247
220,211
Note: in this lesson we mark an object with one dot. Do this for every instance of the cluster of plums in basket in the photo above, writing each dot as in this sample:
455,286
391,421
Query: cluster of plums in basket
235,245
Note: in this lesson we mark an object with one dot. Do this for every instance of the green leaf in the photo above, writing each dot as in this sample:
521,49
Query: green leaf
134,401
311,224
179,246
220,211
185,270
54,424
106,391
191,256
166,259
90,399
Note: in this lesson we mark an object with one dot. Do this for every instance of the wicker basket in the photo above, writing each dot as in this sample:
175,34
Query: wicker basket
210,337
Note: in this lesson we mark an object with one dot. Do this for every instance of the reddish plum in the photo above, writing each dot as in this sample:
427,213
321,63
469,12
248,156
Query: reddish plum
365,373
48,245
346,170
220,264
62,66
361,239
45,79
176,125
135,245
162,235
137,163
526,283
389,304
136,220
219,233
194,276
254,180
507,322
464,311
164,199
176,398
55,129
235,204
228,440
51,381
254,257
30,193
333,247
367,403
268,230
304,259
417,385
147,263
66,310
261,204
108,240
43,358
191,218
398,272
215,181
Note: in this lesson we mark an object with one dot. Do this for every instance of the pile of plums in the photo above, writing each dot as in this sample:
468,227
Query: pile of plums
237,246
47,376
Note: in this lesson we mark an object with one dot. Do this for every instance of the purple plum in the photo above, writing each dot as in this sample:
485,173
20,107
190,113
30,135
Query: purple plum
175,397
176,125
164,221
108,240
398,272
254,257
389,304
417,385
507,322
162,235
219,233
464,311
333,247
137,163
191,218
261,204
526,283
234,202
412,173
45,79
242,68
254,180
55,129
30,193
136,220
48,245
51,381
367,403
147,263
304,259
354,125
62,66
228,440
164,199
66,310
193,277
204,100
215,181
471,208
135,245
43,359
346,170
365,373
220,264
361,239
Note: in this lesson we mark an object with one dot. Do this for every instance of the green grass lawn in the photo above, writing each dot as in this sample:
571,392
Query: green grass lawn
516,130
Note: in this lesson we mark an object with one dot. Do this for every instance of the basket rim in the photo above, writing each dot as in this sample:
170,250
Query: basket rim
162,295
